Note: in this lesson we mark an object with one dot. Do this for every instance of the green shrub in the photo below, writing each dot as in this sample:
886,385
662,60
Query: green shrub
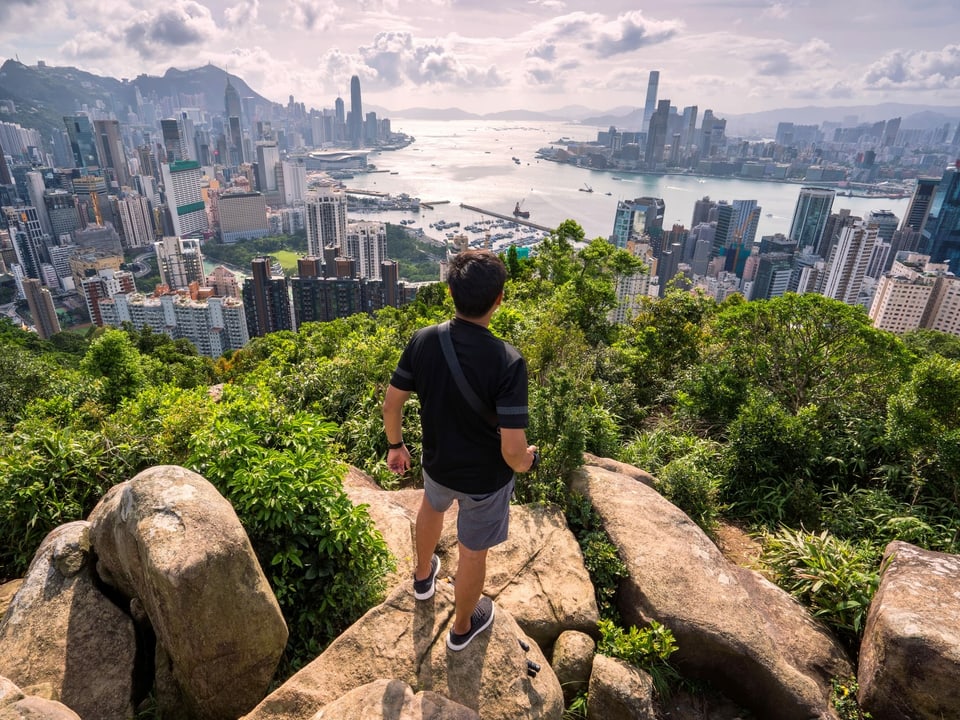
648,649
836,579
325,560
843,697
600,556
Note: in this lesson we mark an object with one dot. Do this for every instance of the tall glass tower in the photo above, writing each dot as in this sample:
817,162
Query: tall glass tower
942,229
356,113
810,217
651,104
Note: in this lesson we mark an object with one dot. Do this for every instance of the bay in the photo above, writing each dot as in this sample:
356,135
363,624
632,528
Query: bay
471,162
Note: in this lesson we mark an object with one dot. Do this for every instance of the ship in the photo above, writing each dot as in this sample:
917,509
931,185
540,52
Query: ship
517,212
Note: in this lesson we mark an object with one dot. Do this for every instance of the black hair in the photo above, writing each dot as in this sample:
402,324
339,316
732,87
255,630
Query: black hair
476,279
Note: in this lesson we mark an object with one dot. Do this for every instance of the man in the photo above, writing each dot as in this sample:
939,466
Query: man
466,457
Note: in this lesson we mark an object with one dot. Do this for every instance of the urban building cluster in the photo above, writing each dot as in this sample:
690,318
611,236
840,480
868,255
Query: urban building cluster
904,272
864,159
171,174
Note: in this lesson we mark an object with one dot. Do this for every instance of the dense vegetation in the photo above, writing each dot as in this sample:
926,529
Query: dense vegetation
792,417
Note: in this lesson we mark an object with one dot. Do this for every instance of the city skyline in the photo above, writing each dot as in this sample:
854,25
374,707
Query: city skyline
541,55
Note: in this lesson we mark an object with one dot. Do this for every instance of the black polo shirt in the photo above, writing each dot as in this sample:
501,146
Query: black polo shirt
461,450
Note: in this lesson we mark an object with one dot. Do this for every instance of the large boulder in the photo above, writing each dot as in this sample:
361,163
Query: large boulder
733,627
404,639
910,654
619,690
393,700
17,705
7,591
537,574
171,542
61,630
572,662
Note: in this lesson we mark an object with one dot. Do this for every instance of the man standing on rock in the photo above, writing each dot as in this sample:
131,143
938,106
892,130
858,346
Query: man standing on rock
469,455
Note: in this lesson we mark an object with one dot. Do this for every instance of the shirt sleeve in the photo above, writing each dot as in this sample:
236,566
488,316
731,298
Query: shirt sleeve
403,378
512,410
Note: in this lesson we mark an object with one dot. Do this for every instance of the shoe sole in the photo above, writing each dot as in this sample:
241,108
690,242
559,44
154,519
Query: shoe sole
457,648
433,586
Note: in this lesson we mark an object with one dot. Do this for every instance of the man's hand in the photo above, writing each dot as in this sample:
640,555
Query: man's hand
398,460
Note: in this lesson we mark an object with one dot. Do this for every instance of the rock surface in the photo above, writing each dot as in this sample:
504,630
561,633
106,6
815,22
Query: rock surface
733,627
16,705
393,700
618,690
169,540
910,654
572,662
404,639
60,629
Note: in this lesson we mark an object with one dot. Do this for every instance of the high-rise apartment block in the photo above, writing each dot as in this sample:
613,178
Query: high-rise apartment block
367,244
134,216
917,294
182,183
102,285
243,215
326,219
214,325
942,229
266,298
180,261
637,218
847,266
111,151
40,303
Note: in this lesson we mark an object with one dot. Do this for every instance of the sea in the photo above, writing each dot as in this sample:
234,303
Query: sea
493,165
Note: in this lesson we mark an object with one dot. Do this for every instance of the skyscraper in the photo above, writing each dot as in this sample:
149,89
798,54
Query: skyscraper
638,218
919,209
110,148
41,307
266,300
689,127
174,141
651,103
356,113
367,244
326,220
657,135
848,262
182,187
83,142
810,216
179,261
942,229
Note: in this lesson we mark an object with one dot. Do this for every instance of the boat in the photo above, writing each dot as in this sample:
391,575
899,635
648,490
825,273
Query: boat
586,188
516,160
517,212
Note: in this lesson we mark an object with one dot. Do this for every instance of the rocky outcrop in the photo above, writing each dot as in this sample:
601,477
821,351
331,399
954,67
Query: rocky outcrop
572,662
910,654
537,575
62,630
393,700
733,627
168,540
7,591
618,690
17,705
405,640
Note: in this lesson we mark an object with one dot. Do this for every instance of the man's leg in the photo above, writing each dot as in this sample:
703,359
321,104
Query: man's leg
429,527
471,573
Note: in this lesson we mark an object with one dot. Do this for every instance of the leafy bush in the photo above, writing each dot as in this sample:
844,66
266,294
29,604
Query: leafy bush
600,556
836,579
324,558
648,649
843,697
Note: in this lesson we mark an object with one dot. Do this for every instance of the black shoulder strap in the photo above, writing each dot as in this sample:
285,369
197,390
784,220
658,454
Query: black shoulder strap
451,357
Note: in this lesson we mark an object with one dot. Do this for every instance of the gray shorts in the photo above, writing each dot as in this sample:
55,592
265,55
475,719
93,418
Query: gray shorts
482,520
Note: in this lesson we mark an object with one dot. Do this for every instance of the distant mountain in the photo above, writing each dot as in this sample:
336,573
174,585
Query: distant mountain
421,113
43,94
914,117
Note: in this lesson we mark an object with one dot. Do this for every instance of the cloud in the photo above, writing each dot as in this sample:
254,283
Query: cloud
242,14
397,58
916,70
777,10
179,24
552,5
7,6
775,63
88,46
630,31
311,14
544,51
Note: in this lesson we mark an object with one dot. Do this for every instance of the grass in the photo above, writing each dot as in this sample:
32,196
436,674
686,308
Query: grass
287,259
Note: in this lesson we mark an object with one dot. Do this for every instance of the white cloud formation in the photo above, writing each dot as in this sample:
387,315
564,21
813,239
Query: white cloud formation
630,31
242,14
176,24
916,69
315,15
87,45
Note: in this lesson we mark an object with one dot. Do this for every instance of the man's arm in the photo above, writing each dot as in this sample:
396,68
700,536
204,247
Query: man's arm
398,459
513,446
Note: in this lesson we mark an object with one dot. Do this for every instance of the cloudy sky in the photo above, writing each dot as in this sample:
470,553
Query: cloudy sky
734,56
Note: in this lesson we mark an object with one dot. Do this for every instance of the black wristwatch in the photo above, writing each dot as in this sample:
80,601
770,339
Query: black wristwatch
394,446
536,461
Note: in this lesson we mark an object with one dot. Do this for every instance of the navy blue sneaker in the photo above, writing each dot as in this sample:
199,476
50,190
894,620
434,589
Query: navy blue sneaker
424,589
481,619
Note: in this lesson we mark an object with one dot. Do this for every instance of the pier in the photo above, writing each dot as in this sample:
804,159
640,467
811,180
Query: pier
429,205
511,218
